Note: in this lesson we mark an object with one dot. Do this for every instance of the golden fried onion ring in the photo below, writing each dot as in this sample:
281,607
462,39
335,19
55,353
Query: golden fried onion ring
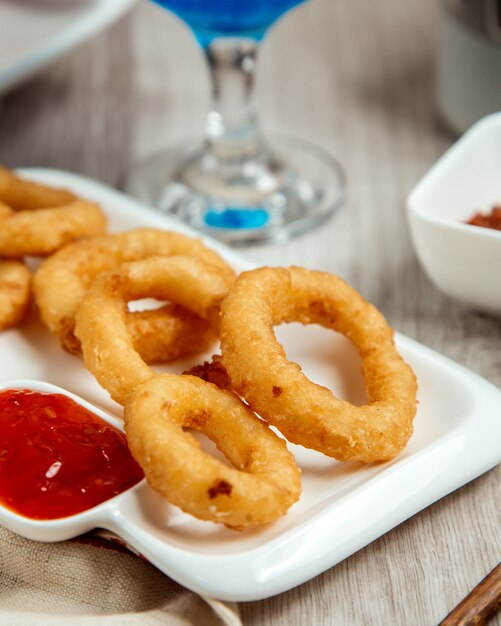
101,327
265,480
307,413
15,291
5,210
72,270
26,195
43,219
168,333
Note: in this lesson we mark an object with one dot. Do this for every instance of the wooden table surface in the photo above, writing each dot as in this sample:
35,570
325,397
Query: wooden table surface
357,78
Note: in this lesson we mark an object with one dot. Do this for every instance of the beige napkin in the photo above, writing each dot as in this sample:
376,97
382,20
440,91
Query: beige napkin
94,585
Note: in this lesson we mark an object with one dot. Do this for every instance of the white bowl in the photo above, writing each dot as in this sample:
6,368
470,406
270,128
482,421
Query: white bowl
463,261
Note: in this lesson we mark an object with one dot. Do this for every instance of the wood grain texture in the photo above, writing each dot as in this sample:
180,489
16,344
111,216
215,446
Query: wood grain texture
357,78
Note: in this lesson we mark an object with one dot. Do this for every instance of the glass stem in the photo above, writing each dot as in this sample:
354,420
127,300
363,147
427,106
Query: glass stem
232,131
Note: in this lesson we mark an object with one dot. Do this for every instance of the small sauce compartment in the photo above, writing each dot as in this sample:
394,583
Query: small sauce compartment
57,458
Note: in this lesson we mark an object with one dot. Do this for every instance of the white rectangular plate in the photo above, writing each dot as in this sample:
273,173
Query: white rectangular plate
344,506
34,33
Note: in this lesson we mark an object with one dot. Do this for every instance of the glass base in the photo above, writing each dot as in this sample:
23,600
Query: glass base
270,196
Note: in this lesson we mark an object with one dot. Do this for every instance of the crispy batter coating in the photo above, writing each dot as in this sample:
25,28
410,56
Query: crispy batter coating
101,327
261,486
37,220
41,232
72,270
213,372
5,210
15,290
168,333
307,413
26,195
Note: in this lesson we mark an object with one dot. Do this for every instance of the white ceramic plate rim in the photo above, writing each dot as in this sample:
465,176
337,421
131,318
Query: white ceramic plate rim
336,530
104,13
432,177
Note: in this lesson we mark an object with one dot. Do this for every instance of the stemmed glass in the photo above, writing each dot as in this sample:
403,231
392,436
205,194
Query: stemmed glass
235,186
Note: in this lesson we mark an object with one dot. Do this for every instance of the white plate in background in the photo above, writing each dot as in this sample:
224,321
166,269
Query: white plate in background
34,33
344,506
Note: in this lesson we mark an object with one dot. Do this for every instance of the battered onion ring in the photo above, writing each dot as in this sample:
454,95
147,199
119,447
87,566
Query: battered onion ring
41,232
5,210
15,291
307,413
26,195
101,326
168,333
37,220
265,481
72,270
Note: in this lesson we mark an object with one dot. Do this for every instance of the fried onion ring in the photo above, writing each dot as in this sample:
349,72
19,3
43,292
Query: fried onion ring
101,327
72,270
26,195
265,480
15,291
41,232
307,413
5,210
37,220
168,333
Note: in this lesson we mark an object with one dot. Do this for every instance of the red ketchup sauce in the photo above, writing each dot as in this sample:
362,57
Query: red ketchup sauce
57,458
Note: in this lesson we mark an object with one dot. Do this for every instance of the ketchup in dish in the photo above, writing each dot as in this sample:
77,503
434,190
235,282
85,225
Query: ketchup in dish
487,220
57,458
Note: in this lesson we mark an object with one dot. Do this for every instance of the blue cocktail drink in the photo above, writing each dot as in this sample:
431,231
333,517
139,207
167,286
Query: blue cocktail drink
237,18
234,185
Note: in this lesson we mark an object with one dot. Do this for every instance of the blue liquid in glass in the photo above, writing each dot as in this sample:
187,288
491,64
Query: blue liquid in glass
237,218
228,18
